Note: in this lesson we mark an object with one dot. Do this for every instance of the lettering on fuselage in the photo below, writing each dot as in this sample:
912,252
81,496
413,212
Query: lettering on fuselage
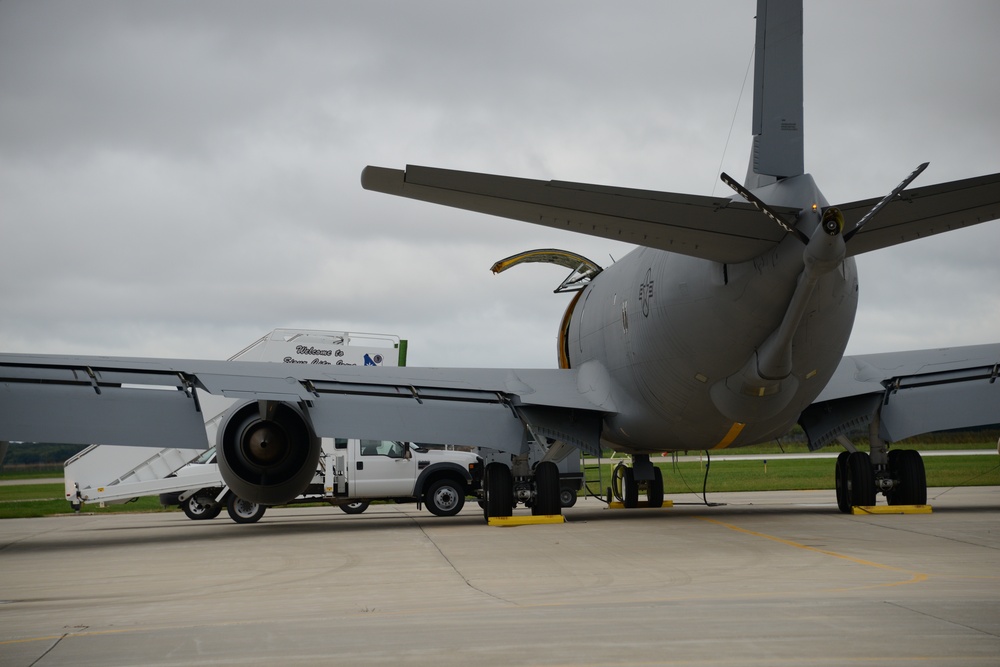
646,292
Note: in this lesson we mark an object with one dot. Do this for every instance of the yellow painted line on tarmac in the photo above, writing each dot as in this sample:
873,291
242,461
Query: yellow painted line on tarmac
915,577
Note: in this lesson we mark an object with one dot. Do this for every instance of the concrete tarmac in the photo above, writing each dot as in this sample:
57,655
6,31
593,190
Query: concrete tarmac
777,578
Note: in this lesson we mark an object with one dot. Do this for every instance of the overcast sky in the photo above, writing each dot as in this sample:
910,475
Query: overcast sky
177,179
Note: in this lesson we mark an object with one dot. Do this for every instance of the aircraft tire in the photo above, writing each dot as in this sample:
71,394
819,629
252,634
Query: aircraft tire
843,495
861,479
907,467
244,511
356,507
196,509
445,497
498,483
654,489
547,500
630,490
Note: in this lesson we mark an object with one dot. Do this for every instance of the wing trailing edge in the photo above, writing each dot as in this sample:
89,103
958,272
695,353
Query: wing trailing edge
903,394
153,402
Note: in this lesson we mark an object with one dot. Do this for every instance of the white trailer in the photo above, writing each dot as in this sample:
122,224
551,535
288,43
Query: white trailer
108,474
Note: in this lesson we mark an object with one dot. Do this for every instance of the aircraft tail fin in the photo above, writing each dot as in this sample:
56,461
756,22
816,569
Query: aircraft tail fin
777,94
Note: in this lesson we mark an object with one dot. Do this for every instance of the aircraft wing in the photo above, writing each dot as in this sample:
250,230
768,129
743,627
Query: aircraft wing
714,228
908,393
921,212
155,402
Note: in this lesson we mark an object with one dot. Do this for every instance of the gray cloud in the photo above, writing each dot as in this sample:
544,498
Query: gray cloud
177,179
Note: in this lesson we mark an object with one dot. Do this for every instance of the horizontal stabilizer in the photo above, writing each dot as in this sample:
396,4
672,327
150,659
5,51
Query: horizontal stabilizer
922,212
712,228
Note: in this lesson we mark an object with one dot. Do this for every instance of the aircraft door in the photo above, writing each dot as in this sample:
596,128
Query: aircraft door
383,469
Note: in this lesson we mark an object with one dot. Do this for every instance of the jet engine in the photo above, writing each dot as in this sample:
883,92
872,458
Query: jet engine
267,452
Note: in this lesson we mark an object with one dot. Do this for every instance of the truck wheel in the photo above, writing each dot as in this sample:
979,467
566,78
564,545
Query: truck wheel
355,507
198,508
567,497
445,497
244,511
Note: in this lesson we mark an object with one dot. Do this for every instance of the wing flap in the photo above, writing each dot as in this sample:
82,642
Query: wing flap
77,414
910,393
923,212
713,228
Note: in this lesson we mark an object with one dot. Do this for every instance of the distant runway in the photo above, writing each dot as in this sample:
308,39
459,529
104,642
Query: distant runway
776,578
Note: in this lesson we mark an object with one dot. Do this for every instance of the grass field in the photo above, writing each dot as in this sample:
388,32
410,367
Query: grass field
686,477
792,474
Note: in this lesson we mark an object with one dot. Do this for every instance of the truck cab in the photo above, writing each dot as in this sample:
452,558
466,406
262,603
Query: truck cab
438,477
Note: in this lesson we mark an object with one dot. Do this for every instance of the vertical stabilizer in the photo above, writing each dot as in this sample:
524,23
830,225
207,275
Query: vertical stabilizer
777,93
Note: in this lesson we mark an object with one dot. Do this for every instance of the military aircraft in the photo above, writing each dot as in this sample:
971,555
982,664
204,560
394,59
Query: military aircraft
725,327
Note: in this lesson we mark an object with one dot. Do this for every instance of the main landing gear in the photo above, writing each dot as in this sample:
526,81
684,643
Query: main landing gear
503,488
897,474
642,475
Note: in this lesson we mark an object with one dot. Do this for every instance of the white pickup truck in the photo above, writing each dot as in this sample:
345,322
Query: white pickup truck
351,474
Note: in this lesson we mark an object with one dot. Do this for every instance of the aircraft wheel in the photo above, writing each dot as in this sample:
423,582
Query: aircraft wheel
630,490
445,497
567,497
354,508
498,485
198,508
654,489
244,511
843,495
860,479
546,489
907,467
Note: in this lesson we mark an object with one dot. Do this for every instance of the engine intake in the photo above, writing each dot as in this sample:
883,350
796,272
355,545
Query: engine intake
267,453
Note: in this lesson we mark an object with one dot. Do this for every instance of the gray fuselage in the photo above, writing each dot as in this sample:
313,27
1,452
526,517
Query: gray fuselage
674,333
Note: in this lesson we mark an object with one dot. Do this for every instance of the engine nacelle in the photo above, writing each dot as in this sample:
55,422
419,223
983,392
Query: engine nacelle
267,453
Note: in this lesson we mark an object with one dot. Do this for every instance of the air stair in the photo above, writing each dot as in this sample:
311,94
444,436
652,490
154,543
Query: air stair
109,473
